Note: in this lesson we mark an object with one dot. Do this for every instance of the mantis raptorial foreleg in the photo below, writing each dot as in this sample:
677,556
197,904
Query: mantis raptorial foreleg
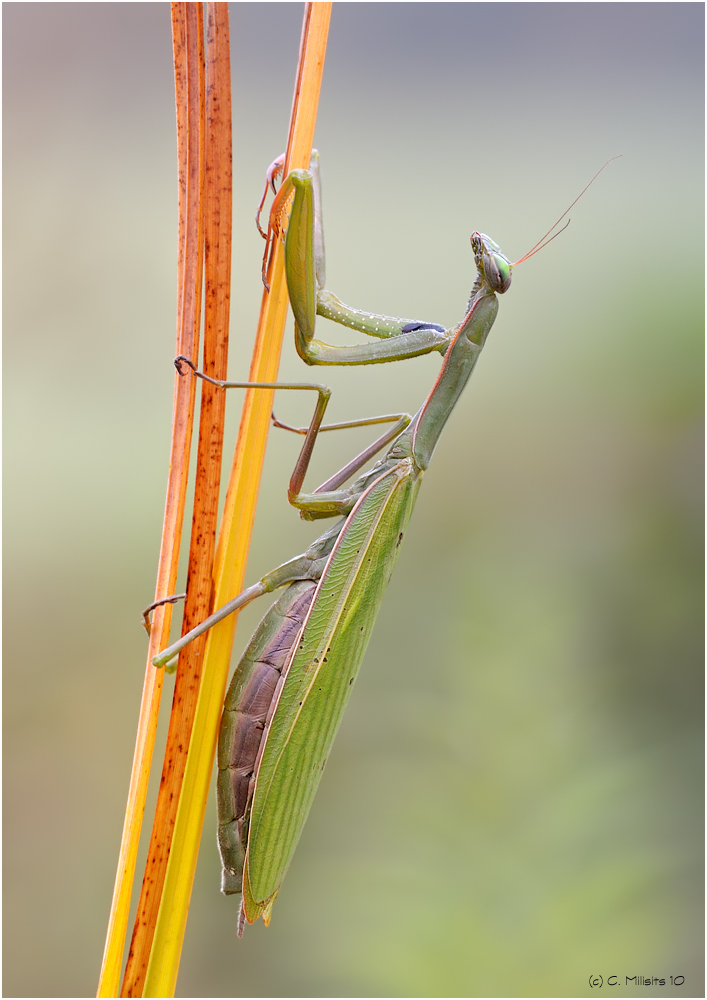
304,266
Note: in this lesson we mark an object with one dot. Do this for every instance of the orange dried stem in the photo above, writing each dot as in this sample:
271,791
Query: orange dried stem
218,212
188,59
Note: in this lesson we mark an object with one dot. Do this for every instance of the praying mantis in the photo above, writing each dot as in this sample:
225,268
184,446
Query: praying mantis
292,684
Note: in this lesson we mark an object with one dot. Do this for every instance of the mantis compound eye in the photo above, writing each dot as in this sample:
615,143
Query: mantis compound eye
498,272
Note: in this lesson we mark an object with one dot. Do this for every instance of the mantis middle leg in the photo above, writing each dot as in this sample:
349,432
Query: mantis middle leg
328,500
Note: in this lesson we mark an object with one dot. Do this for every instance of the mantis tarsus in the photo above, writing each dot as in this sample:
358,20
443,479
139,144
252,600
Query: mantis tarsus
289,691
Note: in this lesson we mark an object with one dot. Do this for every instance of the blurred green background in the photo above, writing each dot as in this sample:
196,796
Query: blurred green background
513,803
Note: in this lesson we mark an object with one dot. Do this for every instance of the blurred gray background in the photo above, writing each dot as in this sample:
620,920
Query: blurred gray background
513,803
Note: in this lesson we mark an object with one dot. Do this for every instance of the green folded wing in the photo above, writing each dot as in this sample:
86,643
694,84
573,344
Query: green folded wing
320,677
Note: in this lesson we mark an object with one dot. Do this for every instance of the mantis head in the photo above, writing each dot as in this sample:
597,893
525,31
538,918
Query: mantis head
493,266
495,269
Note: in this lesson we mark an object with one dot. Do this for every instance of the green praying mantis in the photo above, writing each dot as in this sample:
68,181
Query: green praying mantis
292,684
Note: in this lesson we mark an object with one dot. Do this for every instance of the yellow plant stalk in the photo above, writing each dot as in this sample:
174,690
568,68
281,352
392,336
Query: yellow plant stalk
233,542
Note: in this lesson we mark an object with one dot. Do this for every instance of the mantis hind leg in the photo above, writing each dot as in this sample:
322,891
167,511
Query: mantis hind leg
308,566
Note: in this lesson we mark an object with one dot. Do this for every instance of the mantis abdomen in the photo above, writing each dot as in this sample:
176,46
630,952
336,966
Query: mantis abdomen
248,709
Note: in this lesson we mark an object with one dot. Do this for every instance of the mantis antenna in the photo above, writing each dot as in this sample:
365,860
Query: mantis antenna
543,241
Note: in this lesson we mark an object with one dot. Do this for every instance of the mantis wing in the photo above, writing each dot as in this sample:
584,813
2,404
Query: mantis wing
318,683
